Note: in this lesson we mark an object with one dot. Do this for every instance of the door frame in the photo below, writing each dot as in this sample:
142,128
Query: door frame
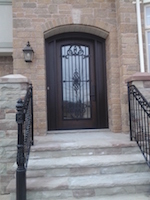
100,72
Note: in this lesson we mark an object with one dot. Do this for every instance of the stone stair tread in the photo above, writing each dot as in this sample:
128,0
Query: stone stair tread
47,146
79,140
85,161
116,197
85,182
87,167
53,146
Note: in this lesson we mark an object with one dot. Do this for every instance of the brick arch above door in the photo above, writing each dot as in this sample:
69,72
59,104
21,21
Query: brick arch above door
95,26
100,32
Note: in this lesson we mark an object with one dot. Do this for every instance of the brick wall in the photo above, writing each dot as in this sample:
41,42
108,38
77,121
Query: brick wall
6,65
127,52
114,20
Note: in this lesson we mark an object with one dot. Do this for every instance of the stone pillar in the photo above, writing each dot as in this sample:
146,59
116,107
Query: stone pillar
142,82
12,87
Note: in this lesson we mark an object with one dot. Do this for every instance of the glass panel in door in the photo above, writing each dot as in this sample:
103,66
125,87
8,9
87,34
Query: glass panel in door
75,62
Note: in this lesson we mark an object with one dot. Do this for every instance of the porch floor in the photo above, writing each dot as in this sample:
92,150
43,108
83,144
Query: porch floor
83,138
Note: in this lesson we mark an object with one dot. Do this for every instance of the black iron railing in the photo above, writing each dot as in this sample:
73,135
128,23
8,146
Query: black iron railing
139,115
24,119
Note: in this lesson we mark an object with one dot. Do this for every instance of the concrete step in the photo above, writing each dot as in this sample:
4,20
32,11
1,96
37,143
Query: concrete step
82,143
87,186
117,197
47,152
112,197
86,165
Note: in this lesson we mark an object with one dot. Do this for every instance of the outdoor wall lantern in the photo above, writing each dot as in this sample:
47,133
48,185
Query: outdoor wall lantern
28,53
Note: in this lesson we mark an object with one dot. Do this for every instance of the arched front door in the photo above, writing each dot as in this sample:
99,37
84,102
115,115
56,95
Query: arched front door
76,82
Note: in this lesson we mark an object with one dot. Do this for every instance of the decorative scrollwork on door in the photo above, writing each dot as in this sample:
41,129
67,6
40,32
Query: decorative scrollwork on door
76,82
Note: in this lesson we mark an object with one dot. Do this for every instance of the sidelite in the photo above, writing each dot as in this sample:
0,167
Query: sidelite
76,82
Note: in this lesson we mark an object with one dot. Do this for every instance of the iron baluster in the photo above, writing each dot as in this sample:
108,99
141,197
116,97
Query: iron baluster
130,116
32,131
21,171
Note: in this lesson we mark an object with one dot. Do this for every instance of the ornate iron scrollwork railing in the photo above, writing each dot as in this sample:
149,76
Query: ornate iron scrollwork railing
139,115
24,119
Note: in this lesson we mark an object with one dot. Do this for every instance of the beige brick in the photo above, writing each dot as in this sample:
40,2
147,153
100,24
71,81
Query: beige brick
6,65
22,23
53,9
29,5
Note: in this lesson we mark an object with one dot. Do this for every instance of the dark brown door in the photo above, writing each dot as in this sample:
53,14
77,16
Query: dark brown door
72,89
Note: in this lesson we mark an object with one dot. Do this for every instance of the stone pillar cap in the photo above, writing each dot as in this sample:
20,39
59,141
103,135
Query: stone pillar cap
139,76
14,78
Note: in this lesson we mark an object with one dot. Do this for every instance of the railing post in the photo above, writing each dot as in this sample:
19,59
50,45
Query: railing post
21,171
130,121
32,114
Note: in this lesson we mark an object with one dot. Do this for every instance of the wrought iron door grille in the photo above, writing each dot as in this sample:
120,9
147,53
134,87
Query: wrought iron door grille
76,82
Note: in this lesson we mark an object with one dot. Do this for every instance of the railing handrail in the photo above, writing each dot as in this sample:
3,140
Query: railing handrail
139,116
24,119
26,102
140,98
